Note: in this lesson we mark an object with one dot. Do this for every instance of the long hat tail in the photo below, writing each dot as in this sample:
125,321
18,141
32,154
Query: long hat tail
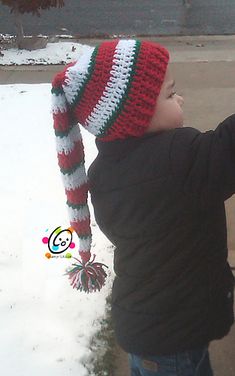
85,276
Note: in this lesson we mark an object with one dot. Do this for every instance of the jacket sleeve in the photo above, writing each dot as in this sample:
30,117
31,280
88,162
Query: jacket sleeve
204,162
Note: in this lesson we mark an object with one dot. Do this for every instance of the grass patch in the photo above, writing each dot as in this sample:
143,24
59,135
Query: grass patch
101,362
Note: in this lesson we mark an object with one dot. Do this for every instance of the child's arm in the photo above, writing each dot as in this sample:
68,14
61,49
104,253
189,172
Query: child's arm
204,163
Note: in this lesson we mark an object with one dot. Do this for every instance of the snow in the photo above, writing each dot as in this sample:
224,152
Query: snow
46,325
54,53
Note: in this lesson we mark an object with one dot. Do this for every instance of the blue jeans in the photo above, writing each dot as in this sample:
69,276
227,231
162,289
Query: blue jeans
188,363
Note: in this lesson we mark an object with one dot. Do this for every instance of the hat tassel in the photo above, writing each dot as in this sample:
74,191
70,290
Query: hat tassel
87,277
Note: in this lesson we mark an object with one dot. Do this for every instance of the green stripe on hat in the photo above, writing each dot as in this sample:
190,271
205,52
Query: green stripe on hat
57,91
119,109
65,133
90,70
71,170
76,206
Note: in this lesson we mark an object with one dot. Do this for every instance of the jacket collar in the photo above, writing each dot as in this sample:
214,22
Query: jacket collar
121,146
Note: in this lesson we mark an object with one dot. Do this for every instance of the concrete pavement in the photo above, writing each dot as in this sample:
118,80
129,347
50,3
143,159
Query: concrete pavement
204,71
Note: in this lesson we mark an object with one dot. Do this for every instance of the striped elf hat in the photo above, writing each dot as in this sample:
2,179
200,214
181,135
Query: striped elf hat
111,90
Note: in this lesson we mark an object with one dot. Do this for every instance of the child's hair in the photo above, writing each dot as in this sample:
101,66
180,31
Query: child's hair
111,90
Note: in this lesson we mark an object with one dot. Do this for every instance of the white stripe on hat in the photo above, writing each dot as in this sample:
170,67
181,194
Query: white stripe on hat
115,87
76,75
85,244
76,179
58,103
66,144
78,214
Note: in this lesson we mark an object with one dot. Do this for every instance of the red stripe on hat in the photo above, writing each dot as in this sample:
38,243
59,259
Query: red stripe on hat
85,255
78,195
139,107
96,85
58,79
82,227
68,161
61,121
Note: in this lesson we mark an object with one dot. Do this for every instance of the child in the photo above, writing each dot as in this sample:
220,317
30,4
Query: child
158,192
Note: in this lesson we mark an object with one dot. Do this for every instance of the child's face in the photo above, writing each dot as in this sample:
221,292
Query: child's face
168,111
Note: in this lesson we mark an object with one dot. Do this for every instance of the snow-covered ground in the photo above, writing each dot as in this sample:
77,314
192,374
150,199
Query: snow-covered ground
54,53
45,324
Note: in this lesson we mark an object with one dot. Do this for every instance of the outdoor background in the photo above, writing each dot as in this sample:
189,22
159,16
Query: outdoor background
130,17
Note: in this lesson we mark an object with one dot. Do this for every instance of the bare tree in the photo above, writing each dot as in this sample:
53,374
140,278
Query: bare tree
18,7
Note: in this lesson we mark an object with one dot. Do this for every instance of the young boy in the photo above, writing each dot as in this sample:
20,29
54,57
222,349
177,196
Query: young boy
158,192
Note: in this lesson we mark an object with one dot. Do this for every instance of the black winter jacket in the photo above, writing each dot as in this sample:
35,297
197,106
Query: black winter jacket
160,200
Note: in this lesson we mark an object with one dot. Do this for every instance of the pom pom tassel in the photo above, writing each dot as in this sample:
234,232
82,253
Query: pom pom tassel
87,277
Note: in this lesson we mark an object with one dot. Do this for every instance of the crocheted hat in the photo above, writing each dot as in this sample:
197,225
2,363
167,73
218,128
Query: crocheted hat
111,90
